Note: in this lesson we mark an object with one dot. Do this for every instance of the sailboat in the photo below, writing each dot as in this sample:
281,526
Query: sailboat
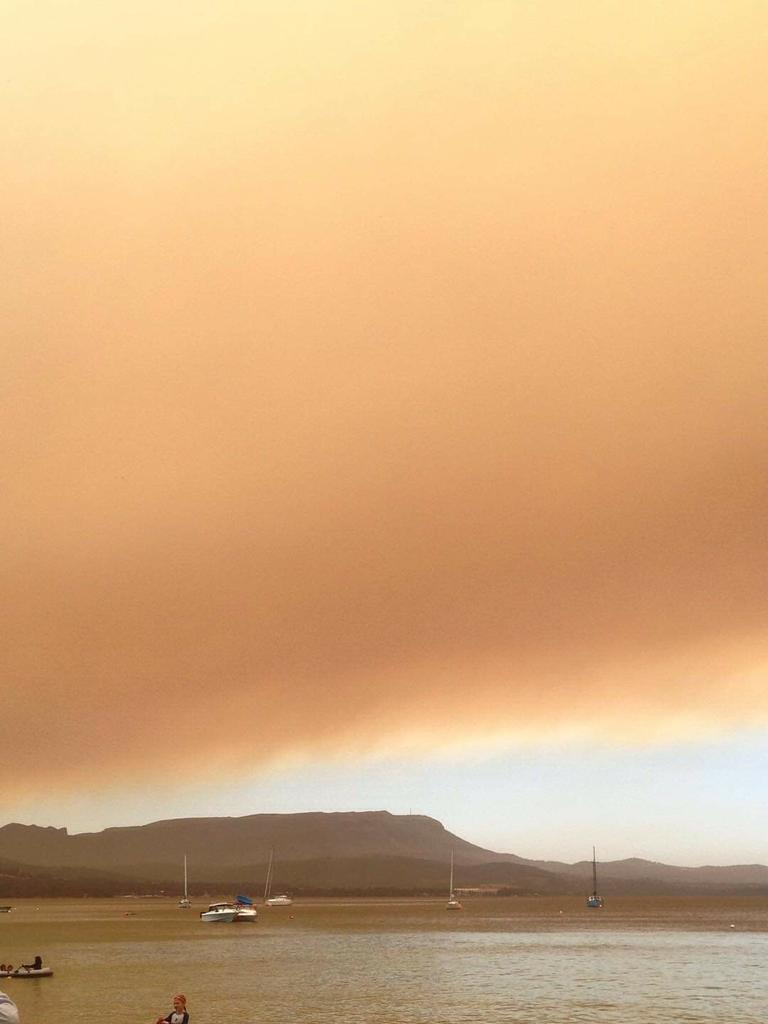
184,901
453,903
269,900
594,900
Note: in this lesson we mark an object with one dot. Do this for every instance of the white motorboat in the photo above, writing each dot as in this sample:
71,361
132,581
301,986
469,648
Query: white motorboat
184,902
223,912
453,903
245,909
244,914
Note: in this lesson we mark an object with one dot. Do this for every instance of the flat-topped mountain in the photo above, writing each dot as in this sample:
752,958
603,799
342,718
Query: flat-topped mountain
233,841
343,851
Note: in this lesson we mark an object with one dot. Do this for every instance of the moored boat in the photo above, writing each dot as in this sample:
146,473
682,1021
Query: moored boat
282,900
184,902
245,910
453,903
594,901
219,912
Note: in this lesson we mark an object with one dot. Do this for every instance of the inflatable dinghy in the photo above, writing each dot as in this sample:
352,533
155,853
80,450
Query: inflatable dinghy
24,972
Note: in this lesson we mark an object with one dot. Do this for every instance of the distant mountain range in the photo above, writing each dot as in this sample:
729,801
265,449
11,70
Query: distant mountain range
315,853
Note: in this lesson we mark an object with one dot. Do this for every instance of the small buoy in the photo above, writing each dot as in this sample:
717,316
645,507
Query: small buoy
733,926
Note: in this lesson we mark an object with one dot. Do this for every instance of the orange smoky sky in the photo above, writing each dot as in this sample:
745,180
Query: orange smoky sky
379,376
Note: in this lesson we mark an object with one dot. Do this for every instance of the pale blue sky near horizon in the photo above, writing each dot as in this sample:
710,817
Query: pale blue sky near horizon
688,804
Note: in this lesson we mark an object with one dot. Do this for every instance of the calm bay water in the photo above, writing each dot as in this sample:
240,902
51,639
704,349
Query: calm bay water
395,962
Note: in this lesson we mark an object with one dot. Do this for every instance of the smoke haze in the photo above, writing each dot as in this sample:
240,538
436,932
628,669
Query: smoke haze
379,376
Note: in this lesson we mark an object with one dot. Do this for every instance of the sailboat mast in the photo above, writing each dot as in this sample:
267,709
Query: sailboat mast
594,873
450,888
185,877
268,883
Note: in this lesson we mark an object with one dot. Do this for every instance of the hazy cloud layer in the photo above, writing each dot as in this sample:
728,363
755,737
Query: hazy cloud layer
377,375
